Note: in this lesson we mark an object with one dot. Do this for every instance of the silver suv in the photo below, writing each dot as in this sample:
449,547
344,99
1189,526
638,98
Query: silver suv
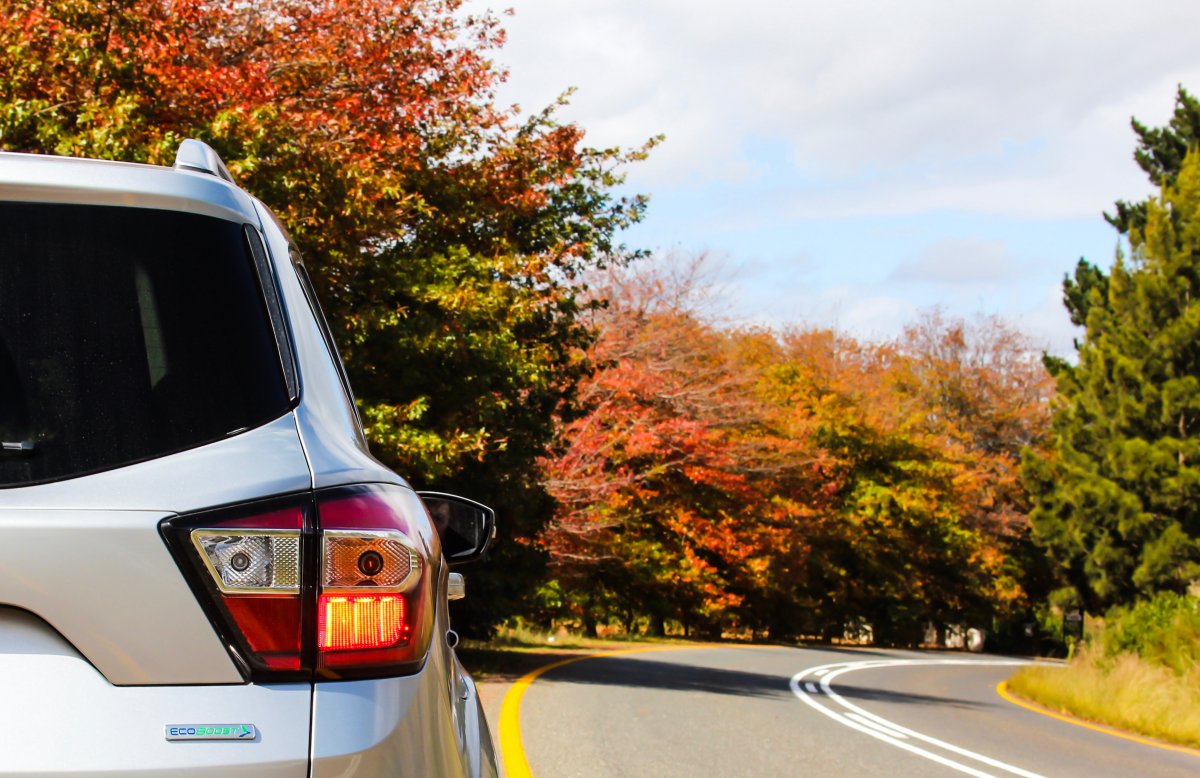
202,569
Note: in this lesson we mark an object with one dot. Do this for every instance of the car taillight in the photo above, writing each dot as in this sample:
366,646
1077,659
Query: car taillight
373,606
333,584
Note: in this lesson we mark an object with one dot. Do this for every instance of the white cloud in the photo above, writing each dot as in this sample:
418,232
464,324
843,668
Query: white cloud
861,160
959,261
1003,107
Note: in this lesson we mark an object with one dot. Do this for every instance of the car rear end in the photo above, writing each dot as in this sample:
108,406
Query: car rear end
202,570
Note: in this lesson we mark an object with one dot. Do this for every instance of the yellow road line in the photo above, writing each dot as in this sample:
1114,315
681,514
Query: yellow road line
511,748
1002,690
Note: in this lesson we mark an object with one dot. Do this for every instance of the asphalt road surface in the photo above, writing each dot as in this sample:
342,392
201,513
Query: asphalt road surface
749,711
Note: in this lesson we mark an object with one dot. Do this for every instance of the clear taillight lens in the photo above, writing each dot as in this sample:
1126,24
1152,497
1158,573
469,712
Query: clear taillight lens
334,583
356,559
251,561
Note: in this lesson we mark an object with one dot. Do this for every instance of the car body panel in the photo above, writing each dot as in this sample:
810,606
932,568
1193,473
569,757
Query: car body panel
96,537
60,717
387,726
328,424
267,460
106,582
367,725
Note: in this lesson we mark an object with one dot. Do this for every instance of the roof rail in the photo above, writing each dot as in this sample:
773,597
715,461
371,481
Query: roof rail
198,156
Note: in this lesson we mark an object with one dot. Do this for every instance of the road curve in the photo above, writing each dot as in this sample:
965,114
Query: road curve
761,711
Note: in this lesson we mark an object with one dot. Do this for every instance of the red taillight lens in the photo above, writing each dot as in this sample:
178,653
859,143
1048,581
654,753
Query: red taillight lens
271,627
334,583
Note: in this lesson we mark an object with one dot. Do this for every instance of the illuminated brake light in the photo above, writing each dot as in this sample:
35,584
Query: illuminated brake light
357,621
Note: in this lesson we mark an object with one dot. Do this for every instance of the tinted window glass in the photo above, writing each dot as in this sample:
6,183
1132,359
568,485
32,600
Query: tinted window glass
126,334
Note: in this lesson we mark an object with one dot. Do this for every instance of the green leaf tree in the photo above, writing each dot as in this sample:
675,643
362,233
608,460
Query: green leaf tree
1117,504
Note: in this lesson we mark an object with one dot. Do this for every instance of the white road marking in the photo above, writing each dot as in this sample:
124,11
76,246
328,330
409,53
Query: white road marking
825,686
866,722
889,732
812,687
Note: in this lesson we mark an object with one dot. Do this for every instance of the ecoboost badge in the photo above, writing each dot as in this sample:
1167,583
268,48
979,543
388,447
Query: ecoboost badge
210,731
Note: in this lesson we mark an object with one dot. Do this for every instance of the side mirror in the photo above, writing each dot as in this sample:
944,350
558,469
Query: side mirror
465,527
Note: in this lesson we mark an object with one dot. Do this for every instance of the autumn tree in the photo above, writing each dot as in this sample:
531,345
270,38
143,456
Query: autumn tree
445,234
918,441
664,484
1116,500
985,394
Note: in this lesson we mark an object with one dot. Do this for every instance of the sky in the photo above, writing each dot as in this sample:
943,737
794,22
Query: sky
852,163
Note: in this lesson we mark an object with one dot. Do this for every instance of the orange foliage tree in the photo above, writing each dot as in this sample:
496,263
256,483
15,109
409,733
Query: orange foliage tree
668,486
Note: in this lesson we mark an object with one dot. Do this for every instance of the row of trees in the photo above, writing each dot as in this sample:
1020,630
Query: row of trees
793,483
803,482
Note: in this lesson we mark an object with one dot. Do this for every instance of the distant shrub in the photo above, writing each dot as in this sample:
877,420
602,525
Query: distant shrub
1164,630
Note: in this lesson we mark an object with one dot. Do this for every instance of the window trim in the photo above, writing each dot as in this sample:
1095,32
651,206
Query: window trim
269,287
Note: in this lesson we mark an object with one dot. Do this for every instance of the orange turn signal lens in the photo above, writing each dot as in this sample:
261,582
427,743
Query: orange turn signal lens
347,622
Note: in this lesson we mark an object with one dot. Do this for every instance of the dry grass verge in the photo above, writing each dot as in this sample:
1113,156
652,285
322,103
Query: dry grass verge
1125,692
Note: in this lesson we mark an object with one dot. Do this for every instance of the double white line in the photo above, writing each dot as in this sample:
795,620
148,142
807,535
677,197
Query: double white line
820,684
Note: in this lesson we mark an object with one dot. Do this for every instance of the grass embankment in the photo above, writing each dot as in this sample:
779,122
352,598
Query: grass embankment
1127,692
1141,674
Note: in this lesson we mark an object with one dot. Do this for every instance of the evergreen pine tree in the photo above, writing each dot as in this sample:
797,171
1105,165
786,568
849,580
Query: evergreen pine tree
1117,505
1160,152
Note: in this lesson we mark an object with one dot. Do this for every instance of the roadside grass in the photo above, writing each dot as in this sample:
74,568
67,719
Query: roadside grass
1125,691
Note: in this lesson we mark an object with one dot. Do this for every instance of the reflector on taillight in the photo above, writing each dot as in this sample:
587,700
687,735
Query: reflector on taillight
354,559
251,561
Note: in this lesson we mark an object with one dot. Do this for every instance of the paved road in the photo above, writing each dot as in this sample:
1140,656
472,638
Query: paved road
778,711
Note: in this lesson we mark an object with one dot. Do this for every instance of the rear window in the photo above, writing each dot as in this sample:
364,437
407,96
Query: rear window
126,334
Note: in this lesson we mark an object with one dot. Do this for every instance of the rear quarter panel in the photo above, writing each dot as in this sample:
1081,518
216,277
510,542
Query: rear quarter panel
60,717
